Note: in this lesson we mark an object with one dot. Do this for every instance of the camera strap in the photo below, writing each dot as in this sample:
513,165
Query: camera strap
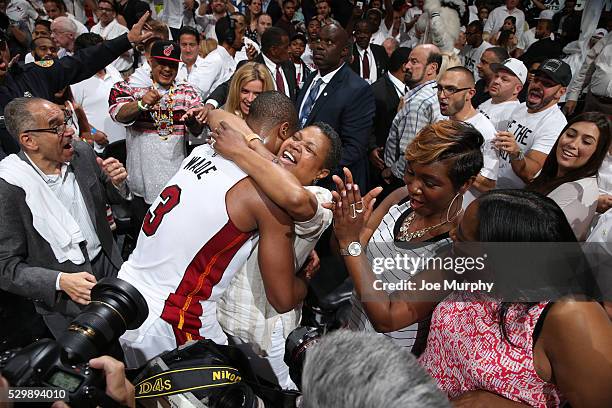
186,379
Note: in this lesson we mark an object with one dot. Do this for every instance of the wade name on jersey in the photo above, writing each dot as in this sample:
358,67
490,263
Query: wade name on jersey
200,166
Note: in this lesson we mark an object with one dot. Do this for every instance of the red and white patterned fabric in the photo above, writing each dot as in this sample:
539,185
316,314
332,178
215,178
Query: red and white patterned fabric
466,350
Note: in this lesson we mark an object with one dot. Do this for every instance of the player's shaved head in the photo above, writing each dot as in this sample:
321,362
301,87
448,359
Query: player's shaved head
273,110
466,76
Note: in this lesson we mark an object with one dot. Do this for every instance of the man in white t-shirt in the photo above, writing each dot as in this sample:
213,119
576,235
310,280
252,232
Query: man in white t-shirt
472,52
508,82
534,126
455,92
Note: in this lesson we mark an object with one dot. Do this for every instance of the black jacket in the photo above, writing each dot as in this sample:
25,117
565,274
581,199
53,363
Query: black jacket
43,79
220,93
380,59
387,101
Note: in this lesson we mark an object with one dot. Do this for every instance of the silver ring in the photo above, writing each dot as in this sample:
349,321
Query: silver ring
212,142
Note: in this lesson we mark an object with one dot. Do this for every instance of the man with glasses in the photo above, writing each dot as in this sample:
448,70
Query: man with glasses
455,92
534,126
108,28
56,241
420,109
64,32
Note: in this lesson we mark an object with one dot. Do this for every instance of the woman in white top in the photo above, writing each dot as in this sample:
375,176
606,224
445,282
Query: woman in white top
569,174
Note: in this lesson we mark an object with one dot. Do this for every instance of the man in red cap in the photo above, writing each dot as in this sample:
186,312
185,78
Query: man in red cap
156,134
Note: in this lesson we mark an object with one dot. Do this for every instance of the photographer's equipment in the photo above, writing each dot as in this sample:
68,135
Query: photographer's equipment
204,374
298,341
116,306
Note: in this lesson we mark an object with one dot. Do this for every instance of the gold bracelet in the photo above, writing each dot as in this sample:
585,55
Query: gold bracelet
252,136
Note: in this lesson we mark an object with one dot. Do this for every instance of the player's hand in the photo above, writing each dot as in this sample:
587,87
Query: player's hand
227,141
151,97
135,35
569,107
200,113
114,170
78,286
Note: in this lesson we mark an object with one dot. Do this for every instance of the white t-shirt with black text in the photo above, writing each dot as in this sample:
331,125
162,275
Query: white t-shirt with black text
533,131
490,154
471,57
498,113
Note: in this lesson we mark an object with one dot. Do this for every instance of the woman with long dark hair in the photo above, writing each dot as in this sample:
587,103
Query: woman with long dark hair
569,174
482,352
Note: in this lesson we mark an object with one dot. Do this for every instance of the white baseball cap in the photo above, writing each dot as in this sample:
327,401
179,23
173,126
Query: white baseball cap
514,66
546,15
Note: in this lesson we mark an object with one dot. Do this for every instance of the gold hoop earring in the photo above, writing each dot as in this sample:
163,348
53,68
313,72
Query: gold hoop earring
451,205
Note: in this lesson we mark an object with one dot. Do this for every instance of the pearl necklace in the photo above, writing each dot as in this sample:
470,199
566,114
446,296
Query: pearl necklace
406,236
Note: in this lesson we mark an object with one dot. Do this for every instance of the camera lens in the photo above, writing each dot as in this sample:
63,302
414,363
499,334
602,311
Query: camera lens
298,341
116,306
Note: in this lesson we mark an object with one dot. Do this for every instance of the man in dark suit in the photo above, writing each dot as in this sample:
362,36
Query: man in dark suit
369,60
387,93
337,96
55,240
275,56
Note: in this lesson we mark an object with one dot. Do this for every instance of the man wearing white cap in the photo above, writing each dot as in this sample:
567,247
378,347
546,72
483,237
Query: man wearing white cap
529,36
509,79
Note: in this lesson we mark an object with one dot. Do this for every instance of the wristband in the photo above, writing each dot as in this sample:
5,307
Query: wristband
252,136
142,106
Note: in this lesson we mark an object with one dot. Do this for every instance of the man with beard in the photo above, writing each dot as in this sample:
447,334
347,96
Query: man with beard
421,108
43,48
475,47
455,91
534,126
545,46
505,88
493,55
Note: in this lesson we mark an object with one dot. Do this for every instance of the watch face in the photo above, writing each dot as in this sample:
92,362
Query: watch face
354,249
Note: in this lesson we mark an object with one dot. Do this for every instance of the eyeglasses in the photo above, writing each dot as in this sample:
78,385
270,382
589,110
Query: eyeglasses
449,91
58,130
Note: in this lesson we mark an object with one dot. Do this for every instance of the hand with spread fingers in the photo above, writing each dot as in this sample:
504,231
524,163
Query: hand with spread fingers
505,141
351,211
135,35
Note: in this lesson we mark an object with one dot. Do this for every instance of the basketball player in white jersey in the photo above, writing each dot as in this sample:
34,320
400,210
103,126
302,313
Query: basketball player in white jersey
200,230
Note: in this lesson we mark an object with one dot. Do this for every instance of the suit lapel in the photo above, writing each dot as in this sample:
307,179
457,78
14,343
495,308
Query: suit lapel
327,93
290,77
86,181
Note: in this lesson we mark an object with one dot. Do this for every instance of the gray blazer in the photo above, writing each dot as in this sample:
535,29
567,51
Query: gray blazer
28,267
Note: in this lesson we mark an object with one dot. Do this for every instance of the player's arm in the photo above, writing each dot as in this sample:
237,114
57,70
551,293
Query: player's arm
281,186
284,289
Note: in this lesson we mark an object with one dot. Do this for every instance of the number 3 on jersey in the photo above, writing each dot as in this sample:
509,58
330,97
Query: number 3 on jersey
171,197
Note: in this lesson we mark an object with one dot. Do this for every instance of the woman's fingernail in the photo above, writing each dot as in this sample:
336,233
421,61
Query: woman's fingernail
356,187
343,193
349,186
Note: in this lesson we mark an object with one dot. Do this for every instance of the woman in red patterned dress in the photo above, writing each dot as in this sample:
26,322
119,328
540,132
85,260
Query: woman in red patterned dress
489,354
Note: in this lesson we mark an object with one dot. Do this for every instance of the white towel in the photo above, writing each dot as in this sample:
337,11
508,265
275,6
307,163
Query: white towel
50,218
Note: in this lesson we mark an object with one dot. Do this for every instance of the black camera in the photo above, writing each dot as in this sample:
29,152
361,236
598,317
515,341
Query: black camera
298,341
116,306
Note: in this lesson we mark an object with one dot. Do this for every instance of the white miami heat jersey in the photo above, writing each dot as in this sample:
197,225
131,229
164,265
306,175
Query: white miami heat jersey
188,251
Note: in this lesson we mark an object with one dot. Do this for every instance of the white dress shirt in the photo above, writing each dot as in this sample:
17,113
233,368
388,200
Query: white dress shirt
400,87
272,67
371,62
217,67
111,31
496,20
172,14
92,94
196,77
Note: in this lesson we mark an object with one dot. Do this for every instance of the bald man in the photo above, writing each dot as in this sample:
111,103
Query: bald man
336,95
456,88
420,109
